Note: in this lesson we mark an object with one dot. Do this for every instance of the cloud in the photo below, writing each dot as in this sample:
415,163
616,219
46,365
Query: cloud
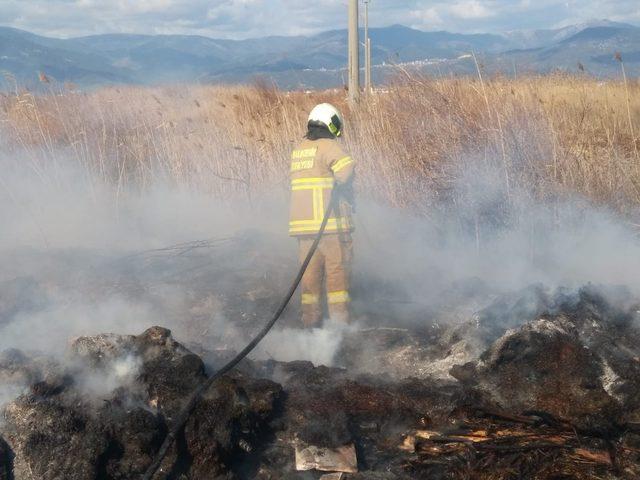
251,18
427,16
471,9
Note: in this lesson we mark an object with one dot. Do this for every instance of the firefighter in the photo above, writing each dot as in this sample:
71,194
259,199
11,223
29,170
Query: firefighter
319,169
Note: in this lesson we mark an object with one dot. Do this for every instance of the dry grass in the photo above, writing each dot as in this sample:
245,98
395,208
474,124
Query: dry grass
417,141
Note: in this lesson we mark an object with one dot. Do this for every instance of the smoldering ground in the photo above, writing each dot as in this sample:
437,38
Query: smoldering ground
80,257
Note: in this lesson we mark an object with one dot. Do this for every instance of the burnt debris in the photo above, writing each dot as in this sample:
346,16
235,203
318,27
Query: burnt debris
74,430
539,384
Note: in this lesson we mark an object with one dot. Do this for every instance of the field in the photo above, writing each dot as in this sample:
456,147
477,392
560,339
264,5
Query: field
495,285
419,141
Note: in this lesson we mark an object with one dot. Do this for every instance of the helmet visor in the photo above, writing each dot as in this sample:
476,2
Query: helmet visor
336,126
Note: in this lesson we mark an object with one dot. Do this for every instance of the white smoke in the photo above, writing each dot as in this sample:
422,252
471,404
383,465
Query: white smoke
317,345
117,373
78,239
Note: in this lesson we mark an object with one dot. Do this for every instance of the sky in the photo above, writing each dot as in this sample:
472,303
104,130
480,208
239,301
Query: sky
239,19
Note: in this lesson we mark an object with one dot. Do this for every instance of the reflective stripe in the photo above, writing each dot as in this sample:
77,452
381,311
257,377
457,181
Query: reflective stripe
299,187
318,204
340,164
313,182
310,299
341,296
321,211
311,226
315,222
317,186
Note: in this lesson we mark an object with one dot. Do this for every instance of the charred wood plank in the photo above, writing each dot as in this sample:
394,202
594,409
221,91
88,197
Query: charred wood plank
501,415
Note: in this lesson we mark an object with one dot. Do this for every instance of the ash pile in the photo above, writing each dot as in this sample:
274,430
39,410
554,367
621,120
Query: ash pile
539,384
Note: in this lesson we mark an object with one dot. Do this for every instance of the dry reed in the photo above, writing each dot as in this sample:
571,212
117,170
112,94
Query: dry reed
416,140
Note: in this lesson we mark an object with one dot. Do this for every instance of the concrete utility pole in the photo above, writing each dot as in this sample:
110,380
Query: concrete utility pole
367,50
354,52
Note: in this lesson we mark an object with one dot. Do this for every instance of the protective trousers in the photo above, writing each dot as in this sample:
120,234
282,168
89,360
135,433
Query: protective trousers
330,267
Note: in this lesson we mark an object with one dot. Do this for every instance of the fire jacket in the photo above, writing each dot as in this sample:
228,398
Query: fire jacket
316,166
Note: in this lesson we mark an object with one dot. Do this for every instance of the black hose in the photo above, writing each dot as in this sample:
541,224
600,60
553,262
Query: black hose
184,414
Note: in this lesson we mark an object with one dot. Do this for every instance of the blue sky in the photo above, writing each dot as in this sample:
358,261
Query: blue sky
251,18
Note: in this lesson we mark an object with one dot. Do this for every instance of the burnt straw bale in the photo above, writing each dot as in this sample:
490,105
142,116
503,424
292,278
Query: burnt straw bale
547,387
62,428
578,362
6,461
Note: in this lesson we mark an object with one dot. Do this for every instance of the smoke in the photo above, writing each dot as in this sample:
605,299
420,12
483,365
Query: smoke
57,208
51,329
81,258
317,345
505,241
117,373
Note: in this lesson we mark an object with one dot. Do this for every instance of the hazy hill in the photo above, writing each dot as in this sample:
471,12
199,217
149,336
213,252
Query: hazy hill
527,39
23,55
306,61
593,47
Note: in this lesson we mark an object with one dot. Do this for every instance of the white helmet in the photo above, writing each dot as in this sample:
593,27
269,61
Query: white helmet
327,115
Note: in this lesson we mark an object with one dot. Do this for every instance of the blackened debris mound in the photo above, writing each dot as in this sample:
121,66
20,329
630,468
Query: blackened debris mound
328,408
6,461
106,414
549,388
578,361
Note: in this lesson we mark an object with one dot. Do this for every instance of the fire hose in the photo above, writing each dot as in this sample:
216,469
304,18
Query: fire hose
184,414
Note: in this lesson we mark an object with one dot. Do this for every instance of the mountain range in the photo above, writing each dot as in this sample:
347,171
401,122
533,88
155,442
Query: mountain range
310,61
